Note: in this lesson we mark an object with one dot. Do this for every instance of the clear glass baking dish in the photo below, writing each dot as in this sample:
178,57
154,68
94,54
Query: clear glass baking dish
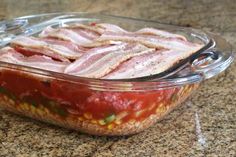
99,106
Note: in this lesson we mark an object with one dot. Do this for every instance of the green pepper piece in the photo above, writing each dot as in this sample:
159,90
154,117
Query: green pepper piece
110,118
13,97
34,104
53,107
62,112
6,92
2,90
30,101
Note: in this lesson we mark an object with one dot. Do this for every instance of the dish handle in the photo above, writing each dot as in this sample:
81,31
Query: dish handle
214,60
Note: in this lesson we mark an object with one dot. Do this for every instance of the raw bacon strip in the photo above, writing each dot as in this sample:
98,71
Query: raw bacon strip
9,55
31,51
150,41
73,47
148,31
92,28
111,60
148,64
49,47
66,34
90,32
111,27
79,34
91,56
87,34
161,33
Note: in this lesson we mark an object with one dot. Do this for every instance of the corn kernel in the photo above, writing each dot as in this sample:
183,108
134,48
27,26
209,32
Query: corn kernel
39,112
81,118
161,109
138,113
5,97
132,121
94,121
118,122
11,102
25,104
110,126
102,122
27,107
47,111
88,115
22,106
32,109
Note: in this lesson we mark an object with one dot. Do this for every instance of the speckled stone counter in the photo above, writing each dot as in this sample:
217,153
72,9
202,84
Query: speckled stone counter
205,125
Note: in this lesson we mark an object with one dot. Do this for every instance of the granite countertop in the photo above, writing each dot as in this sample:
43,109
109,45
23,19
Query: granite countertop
205,125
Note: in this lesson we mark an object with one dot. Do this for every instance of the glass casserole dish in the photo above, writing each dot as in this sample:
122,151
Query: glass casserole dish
103,106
